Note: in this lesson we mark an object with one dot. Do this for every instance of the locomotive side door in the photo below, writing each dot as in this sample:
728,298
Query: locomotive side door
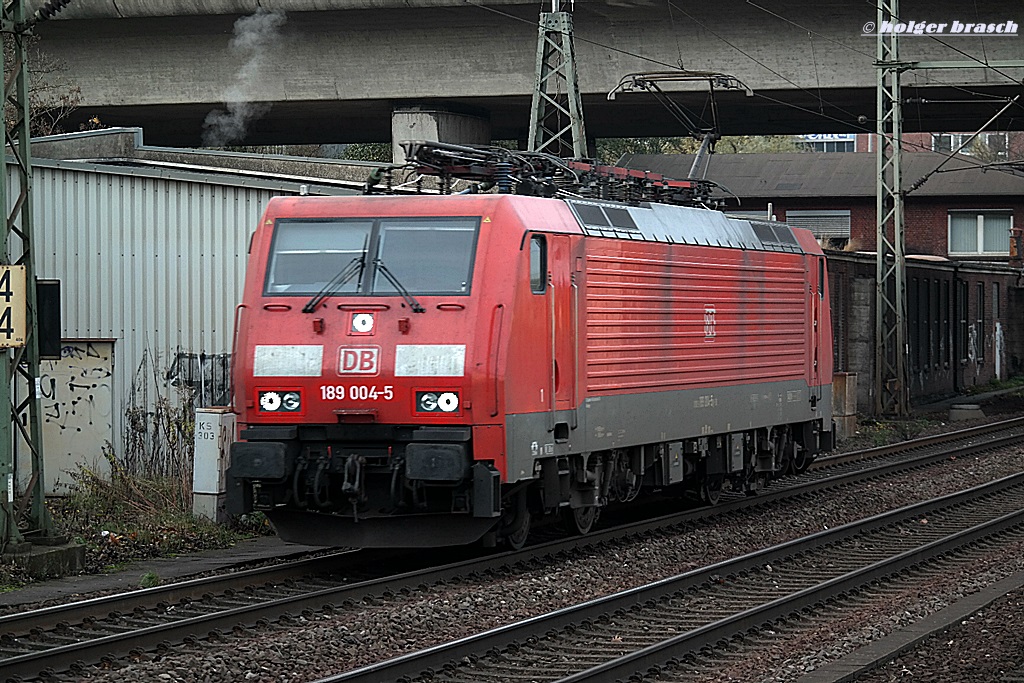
562,328
817,307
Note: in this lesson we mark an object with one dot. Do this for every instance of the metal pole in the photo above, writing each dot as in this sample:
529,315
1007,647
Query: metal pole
9,532
21,362
891,379
556,114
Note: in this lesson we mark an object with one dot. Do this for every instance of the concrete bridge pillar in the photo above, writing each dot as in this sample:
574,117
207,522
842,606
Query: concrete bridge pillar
437,125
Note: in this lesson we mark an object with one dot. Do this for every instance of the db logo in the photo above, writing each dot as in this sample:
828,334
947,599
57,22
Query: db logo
361,360
710,324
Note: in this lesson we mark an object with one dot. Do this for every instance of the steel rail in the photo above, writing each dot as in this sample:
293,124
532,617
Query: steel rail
93,650
49,617
924,441
654,655
795,490
435,658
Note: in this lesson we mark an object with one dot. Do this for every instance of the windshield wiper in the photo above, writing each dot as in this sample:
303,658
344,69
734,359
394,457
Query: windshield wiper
390,277
337,282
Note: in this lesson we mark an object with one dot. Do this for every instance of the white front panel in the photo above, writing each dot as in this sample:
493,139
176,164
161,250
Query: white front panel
288,361
430,360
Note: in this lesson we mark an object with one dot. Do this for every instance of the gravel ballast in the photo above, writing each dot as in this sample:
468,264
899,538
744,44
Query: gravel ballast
320,644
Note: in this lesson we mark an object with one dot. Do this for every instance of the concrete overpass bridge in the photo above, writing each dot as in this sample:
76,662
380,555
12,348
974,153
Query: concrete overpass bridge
336,70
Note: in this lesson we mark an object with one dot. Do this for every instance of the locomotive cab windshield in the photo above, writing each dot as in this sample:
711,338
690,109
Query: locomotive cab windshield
422,256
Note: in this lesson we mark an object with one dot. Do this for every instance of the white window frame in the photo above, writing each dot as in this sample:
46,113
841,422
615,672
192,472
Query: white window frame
935,138
833,146
1006,144
980,215
957,139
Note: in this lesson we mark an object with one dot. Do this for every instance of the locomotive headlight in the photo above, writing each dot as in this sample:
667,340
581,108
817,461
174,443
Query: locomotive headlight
362,323
437,401
448,401
270,401
427,402
280,401
291,401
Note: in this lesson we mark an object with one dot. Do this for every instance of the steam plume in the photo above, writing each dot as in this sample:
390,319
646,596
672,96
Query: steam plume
254,34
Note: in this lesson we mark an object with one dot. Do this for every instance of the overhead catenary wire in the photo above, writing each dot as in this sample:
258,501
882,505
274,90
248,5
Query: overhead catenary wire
984,63
981,63
809,30
766,67
750,57
675,33
984,52
652,60
851,123
968,55
845,46
963,144
755,59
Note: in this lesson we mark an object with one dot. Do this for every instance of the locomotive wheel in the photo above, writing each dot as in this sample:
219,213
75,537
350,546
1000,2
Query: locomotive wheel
580,520
711,489
516,538
515,527
756,484
801,461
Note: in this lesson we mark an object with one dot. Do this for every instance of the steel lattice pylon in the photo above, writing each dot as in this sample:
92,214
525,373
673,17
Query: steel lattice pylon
891,385
556,116
23,515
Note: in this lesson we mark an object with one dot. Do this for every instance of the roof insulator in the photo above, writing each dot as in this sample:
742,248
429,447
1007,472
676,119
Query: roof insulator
49,9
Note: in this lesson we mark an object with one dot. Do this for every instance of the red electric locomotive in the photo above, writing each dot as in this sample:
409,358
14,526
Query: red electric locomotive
434,370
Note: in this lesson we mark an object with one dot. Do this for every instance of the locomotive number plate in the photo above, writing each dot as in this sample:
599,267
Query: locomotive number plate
356,392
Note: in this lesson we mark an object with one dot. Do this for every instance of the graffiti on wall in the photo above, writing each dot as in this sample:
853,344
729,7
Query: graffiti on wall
76,389
208,375
75,405
1000,350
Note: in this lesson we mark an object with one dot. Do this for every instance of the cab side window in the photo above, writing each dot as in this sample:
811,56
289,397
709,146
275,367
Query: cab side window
538,264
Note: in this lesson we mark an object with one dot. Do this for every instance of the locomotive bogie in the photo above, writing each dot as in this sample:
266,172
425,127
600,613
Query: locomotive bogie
738,461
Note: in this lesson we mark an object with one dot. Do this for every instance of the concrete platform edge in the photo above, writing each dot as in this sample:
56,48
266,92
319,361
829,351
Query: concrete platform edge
168,569
48,561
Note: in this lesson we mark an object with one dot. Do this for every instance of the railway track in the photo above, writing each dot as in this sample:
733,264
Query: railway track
56,638
966,437
643,632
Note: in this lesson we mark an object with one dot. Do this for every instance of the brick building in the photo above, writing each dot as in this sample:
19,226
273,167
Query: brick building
992,146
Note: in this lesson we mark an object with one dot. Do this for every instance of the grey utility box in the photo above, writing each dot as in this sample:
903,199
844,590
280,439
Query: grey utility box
215,430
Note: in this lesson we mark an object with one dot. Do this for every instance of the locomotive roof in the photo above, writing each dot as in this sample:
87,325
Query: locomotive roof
681,225
643,222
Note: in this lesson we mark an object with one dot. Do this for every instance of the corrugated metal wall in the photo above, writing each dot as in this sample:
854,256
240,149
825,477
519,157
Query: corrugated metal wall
152,260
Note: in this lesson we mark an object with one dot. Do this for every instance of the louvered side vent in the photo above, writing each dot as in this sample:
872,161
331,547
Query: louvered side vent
833,224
